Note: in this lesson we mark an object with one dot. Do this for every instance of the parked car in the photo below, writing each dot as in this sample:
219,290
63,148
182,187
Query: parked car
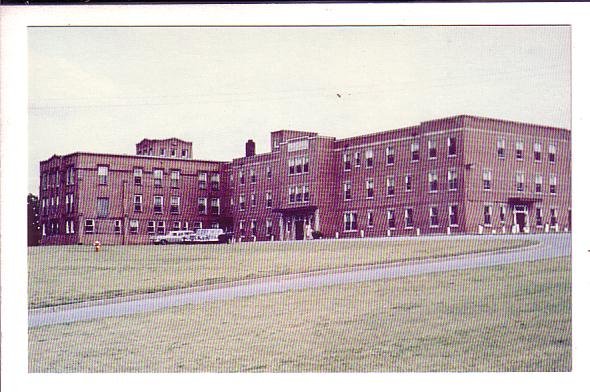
174,237
225,238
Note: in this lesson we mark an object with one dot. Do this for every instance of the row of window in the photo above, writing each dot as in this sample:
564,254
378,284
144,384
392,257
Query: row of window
52,179
163,152
254,228
135,227
158,206
519,150
242,178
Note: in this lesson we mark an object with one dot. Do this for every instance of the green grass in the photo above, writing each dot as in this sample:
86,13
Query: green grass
513,317
69,274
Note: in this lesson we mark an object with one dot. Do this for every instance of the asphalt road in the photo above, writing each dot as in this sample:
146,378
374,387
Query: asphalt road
551,245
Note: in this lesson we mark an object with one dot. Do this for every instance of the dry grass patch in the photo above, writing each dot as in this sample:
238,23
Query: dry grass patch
505,318
68,274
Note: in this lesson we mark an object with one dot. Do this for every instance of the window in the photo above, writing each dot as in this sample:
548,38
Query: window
390,186
409,218
158,174
172,152
242,228
453,219
298,194
389,155
415,151
197,225
162,151
89,226
431,149
538,217
350,221
268,199
538,183
70,176
44,181
176,225
487,215
357,159
268,172
291,166
347,190
519,150
452,146
151,229
117,227
346,160
391,219
175,204
215,181
158,204
553,184
252,175
369,158
487,179
433,216
174,178
408,181
69,203
370,220
43,230
253,200
133,226
298,145
520,182
57,179
306,164
137,176
202,205
203,180
253,227
241,203
184,153
103,174
298,165
370,188
268,227
215,210
537,151
553,213
137,203
502,213
501,148
241,177
432,182
305,190
161,227
452,178
552,153
102,207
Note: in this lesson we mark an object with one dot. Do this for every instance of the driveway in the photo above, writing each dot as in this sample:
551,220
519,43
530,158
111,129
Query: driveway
551,245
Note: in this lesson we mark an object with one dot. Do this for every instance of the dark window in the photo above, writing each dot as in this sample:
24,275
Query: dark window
487,215
452,144
102,207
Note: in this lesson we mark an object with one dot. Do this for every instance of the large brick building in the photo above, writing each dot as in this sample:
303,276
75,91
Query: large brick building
462,174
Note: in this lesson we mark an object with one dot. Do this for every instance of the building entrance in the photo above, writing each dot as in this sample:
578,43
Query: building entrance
521,218
299,229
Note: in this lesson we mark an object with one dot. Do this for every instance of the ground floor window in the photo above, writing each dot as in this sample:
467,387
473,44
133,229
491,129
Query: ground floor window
176,225
409,218
350,223
161,227
553,217
151,227
391,219
433,216
370,219
539,217
502,213
453,220
117,226
89,226
487,215
133,226
268,227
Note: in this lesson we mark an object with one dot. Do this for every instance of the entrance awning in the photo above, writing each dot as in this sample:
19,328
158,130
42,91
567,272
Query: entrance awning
296,210
523,199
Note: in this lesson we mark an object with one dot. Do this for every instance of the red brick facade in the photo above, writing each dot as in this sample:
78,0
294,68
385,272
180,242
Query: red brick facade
462,174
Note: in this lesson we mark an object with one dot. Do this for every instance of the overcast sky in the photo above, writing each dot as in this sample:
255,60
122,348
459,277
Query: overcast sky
105,89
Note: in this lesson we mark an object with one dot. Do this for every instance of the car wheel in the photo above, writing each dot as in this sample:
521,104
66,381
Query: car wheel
163,242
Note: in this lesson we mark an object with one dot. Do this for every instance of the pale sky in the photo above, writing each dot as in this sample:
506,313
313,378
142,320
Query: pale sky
104,89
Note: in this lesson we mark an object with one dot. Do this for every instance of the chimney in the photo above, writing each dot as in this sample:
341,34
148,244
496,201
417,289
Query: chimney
250,148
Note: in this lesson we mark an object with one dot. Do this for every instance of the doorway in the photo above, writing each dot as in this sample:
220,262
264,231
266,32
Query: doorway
299,229
521,218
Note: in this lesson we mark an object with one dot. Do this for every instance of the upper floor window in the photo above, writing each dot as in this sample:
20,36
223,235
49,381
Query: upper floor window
552,153
103,174
44,181
202,205
70,177
268,172
346,160
501,148
370,219
137,176
389,155
452,146
432,182
241,203
137,203
184,153
408,181
347,190
174,178
298,145
370,188
162,152
215,181
520,182
357,159
369,158
102,207
552,184
158,174
519,150
57,179
452,177
252,175
175,204
241,178
432,149
158,204
253,200
202,180
215,209
538,183
390,186
305,191
173,152
537,151
415,151
268,199
487,179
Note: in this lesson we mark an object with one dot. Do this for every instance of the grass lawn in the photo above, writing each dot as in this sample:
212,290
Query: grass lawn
68,274
513,317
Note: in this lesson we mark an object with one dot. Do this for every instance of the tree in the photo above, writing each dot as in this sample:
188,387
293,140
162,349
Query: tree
33,220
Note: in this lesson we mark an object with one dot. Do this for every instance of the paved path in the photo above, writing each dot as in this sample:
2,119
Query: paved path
552,245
